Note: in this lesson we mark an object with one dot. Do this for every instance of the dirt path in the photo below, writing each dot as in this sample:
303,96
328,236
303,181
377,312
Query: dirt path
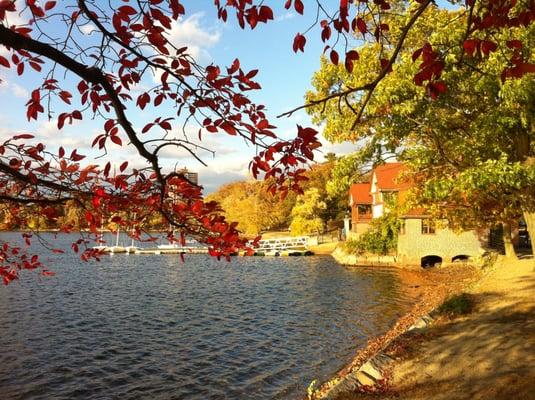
489,354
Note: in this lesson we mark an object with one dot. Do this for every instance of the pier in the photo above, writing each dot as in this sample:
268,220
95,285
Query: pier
287,246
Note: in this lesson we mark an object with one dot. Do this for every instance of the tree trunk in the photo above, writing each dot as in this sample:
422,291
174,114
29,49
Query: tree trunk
529,217
507,242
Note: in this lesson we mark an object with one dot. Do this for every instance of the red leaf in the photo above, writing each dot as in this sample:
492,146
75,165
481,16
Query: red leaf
23,136
514,44
165,125
4,62
265,13
417,54
334,57
117,140
235,67
352,55
127,10
326,33
470,46
147,127
229,128
49,5
441,87
299,7
527,68
487,47
123,166
65,96
299,43
75,156
361,26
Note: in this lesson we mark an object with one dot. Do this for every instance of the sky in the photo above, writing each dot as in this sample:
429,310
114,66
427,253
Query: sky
283,75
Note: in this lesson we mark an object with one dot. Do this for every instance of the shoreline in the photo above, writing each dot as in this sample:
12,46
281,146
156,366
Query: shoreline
430,288
411,360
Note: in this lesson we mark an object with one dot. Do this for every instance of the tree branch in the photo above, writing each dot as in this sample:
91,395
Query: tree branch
373,84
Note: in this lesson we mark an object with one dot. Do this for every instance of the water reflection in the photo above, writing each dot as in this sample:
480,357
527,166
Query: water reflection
151,326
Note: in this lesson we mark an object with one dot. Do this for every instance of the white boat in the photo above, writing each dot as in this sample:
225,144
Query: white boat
116,248
131,249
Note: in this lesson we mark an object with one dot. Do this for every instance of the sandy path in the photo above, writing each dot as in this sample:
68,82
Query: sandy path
488,355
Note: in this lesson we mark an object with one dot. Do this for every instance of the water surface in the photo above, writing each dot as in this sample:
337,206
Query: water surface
146,326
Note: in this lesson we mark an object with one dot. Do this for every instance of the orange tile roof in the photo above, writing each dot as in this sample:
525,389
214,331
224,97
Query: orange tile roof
360,193
387,174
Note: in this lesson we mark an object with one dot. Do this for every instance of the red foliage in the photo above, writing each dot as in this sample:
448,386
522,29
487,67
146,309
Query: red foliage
217,97
132,42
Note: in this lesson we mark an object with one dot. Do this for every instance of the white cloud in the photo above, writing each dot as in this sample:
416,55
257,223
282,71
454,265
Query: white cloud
7,88
214,148
18,18
87,29
339,149
19,91
285,16
189,32
212,180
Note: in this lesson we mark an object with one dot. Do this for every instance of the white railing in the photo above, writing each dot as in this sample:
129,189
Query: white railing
285,243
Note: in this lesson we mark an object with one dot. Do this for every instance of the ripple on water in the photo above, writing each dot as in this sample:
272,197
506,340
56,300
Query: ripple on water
153,327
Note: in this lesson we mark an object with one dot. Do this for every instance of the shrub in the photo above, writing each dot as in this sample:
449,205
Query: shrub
457,305
381,238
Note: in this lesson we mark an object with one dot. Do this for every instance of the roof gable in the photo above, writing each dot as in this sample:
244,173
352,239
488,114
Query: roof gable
359,193
385,176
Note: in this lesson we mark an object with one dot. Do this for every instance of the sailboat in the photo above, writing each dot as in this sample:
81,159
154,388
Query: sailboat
132,248
102,244
116,248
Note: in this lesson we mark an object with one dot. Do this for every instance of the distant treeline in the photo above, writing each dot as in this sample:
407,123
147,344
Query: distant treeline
256,210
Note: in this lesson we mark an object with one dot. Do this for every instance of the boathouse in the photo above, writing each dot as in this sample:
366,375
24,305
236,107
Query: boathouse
421,240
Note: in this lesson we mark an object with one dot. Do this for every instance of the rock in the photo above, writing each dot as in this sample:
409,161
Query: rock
365,379
372,370
381,361
422,323
347,385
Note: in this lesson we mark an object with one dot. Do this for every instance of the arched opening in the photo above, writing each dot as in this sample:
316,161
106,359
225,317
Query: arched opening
460,258
431,261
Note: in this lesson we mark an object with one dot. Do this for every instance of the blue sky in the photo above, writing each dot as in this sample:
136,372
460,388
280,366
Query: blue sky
284,77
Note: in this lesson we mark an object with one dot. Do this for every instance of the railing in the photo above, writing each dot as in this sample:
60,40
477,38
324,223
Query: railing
283,243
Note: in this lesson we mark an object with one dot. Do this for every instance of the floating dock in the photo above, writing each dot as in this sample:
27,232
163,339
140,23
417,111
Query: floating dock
282,247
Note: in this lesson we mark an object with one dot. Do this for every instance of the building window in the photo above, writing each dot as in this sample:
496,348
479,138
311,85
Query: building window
428,227
401,226
364,209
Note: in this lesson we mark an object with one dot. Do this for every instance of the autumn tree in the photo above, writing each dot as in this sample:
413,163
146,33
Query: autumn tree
470,149
102,76
306,214
254,209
